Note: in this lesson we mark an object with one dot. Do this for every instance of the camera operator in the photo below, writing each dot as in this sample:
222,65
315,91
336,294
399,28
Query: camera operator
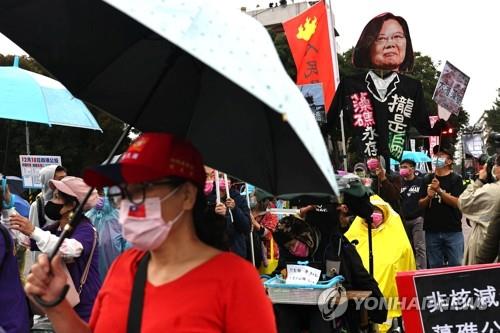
480,203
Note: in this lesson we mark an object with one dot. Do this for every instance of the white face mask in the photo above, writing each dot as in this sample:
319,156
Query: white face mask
143,225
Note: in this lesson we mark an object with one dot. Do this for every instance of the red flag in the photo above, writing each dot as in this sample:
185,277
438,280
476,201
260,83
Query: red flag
309,40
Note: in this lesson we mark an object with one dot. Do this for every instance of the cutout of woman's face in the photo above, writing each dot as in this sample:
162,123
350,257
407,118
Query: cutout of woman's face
388,51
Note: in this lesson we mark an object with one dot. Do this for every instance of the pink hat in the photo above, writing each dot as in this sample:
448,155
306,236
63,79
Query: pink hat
77,188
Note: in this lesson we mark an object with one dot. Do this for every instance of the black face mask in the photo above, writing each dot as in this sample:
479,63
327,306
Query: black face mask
53,210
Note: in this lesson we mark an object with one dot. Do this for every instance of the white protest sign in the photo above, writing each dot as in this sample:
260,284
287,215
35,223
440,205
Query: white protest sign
450,89
30,168
300,274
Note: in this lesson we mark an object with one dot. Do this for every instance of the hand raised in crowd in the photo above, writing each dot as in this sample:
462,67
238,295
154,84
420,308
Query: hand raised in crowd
380,172
22,224
46,280
220,209
430,192
304,210
483,173
435,185
230,203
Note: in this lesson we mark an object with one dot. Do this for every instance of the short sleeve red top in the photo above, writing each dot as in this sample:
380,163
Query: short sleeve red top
223,294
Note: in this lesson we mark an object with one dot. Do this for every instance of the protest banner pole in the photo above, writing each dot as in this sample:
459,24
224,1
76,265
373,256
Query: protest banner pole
228,196
217,184
252,250
336,75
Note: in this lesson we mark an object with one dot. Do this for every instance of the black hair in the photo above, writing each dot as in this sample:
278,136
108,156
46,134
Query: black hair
209,226
408,161
60,168
361,55
68,199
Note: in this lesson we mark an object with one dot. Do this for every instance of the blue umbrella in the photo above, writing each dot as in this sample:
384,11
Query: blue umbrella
415,156
32,97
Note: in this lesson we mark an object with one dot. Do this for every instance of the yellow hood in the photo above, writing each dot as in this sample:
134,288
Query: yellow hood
392,252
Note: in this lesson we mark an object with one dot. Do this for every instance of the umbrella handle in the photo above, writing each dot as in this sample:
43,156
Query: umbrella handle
55,302
68,228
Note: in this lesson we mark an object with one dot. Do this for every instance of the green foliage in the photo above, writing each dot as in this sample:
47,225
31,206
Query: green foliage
493,115
78,148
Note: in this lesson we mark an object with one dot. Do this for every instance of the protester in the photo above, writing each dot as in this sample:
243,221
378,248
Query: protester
319,230
14,316
489,249
104,217
264,224
442,219
392,251
80,251
37,216
16,200
237,213
361,170
411,212
191,286
21,242
480,203
386,184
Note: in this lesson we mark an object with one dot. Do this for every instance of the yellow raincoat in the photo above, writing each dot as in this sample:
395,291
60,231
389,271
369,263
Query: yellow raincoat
392,253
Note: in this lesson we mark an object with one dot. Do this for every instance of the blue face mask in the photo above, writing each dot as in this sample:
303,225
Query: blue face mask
439,162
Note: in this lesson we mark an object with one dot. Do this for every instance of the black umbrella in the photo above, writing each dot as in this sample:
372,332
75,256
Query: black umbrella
245,116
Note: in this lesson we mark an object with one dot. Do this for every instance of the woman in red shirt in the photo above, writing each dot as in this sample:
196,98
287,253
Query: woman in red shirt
174,280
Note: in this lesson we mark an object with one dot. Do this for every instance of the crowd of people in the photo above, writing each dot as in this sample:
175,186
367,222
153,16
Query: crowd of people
194,239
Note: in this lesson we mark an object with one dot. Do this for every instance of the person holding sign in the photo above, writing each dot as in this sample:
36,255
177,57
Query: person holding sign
233,206
381,104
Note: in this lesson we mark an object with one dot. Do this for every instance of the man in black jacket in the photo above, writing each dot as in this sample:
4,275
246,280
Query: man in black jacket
411,212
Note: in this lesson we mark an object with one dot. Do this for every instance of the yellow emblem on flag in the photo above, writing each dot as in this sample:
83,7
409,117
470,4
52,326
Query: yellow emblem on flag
306,30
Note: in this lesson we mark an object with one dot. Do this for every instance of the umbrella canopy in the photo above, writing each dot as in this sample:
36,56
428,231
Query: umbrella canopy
193,68
415,156
32,97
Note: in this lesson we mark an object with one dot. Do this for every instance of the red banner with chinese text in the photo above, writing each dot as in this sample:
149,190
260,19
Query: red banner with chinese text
309,41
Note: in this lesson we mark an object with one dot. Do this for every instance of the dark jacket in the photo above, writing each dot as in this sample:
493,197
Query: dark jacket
389,190
13,305
238,230
351,266
489,249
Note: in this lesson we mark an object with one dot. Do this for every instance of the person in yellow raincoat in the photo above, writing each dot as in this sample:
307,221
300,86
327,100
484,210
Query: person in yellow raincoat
392,252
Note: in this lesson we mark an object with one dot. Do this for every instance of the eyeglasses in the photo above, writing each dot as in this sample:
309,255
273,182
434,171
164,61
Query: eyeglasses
398,38
135,193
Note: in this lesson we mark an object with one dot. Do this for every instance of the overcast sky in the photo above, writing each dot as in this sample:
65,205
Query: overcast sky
463,32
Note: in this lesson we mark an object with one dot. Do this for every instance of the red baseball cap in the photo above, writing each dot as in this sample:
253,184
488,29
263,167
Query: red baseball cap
152,156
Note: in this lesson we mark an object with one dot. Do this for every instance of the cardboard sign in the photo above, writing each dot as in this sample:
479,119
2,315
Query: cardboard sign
452,300
30,168
313,93
300,274
450,89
